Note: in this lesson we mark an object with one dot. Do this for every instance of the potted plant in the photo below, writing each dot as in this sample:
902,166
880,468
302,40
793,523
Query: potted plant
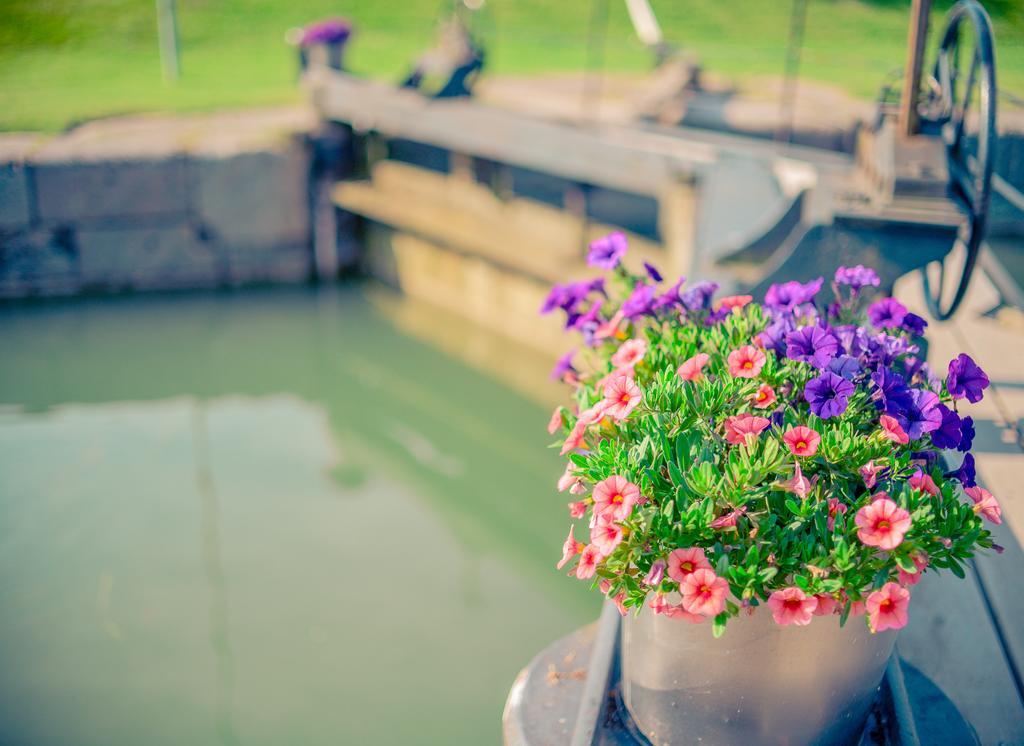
322,42
772,468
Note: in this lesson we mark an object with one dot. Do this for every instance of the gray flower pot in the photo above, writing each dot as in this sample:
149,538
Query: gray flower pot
758,684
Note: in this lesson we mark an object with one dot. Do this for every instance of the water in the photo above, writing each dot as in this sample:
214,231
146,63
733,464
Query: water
268,518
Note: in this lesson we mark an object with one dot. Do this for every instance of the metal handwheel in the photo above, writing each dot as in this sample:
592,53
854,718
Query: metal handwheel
963,103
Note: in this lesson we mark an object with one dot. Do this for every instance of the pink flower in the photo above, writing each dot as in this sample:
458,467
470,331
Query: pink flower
691,369
657,573
792,606
887,607
920,560
578,488
827,604
577,509
735,302
660,605
985,504
739,427
575,439
593,414
835,508
630,353
570,549
606,536
589,558
621,396
802,441
799,485
682,562
610,328
882,523
729,519
857,608
567,480
923,482
704,593
746,362
764,397
618,601
556,421
869,473
891,430
615,497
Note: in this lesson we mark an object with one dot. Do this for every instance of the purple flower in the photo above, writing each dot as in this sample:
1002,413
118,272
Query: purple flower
329,31
569,296
914,324
887,313
563,366
966,434
853,338
698,297
884,349
586,320
922,416
653,272
812,344
773,337
966,378
828,394
891,394
641,301
947,434
670,297
857,277
845,366
607,251
788,295
966,474
717,317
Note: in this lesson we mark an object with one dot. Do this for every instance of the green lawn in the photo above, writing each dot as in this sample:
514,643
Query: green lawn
63,61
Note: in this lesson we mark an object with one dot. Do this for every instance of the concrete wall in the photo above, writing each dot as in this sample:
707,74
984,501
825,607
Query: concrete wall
150,203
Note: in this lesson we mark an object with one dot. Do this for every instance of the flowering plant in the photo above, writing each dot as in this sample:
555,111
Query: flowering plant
732,455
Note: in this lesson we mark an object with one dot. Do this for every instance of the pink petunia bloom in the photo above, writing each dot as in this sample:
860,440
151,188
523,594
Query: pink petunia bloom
729,519
764,397
799,485
682,562
735,302
556,421
835,508
923,482
869,473
615,497
621,396
920,560
746,362
578,488
630,353
575,439
858,608
882,524
827,604
656,573
577,509
593,414
606,536
792,606
887,607
704,593
589,558
892,430
618,601
985,504
570,549
739,427
610,328
692,368
802,440
660,605
567,480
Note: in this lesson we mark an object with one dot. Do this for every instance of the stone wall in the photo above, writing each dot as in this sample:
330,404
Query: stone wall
152,203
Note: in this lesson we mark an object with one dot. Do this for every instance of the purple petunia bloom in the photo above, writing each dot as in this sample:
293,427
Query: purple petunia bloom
787,296
922,416
773,337
828,394
653,272
328,31
587,320
812,344
717,317
887,313
883,349
966,378
670,298
698,297
641,301
563,366
845,366
947,434
914,324
966,474
857,277
966,434
607,251
570,295
891,394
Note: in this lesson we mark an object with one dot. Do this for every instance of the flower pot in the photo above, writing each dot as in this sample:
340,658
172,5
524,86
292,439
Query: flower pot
758,684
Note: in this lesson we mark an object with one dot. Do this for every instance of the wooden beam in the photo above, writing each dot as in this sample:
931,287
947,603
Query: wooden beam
917,36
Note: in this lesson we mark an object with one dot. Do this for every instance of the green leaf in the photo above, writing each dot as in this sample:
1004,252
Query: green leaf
718,629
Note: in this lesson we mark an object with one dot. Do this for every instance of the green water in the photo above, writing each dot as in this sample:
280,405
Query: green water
265,518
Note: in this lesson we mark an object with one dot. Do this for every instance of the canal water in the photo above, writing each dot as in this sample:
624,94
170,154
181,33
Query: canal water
267,518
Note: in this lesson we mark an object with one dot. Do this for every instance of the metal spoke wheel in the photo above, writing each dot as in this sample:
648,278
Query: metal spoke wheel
963,102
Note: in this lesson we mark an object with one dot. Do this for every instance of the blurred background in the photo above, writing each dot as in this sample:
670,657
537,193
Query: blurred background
273,388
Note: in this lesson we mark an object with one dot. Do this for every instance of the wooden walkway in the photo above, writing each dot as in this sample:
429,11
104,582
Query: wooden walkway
969,636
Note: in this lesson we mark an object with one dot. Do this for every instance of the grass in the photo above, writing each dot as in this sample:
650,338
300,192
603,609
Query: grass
63,61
